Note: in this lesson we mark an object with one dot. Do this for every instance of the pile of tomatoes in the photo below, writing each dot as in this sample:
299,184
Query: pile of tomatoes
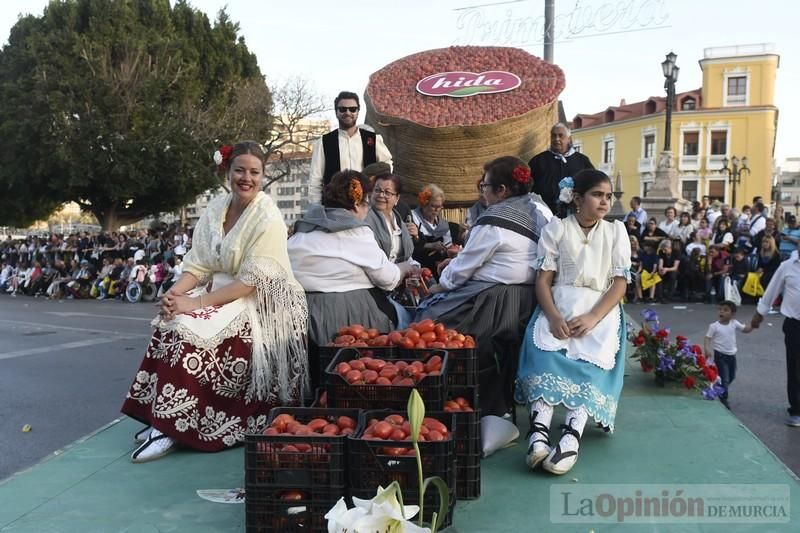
286,424
458,405
419,335
397,428
373,371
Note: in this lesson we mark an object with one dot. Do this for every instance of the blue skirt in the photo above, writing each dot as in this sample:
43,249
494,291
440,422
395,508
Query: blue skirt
557,379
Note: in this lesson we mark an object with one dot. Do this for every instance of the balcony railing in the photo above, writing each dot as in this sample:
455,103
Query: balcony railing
714,162
647,165
689,162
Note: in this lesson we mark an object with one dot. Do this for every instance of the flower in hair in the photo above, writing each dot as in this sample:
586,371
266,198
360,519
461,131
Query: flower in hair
521,175
565,187
424,196
355,192
223,156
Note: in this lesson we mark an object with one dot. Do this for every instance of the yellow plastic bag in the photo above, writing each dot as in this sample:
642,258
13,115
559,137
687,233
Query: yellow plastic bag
752,285
648,279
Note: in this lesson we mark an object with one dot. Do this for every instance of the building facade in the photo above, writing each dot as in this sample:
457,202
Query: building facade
788,185
732,114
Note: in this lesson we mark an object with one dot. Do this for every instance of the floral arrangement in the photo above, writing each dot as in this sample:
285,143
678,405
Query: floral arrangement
386,512
355,192
424,196
565,187
521,175
223,156
676,361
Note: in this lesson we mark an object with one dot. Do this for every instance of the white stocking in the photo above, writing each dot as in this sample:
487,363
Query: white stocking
576,419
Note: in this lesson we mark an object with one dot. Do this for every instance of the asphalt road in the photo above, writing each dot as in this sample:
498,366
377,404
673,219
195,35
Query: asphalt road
65,368
758,395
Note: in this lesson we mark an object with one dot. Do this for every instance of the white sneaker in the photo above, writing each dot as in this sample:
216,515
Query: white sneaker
143,435
156,446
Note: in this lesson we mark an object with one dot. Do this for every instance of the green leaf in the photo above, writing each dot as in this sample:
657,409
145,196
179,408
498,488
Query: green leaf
444,500
466,91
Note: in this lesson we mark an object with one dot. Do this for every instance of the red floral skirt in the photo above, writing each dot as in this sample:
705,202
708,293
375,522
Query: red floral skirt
201,397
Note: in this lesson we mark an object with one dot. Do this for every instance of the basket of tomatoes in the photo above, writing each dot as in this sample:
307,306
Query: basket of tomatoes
355,336
464,404
301,447
356,380
421,338
383,452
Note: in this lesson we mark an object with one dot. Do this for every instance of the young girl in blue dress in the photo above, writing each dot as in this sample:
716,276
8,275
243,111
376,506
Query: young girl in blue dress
574,347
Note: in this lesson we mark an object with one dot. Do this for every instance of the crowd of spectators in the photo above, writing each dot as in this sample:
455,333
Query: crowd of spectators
694,252
84,265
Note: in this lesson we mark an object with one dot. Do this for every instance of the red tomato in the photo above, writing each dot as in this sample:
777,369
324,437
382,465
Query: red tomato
388,372
436,345
346,431
372,333
330,429
395,337
345,422
406,382
357,364
356,329
381,340
462,401
344,340
317,424
435,436
292,495
302,430
397,434
439,329
407,343
382,430
271,431
383,381
395,452
410,452
343,368
376,364
452,406
425,325
344,330
428,336
401,365
434,362
434,424
354,376
372,422
363,336
370,376
302,448
450,345
395,420
412,334
421,345
281,421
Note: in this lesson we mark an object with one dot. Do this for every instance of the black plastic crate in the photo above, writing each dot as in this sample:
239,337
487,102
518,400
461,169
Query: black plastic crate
432,389
328,353
462,370
315,461
371,466
468,424
468,477
267,512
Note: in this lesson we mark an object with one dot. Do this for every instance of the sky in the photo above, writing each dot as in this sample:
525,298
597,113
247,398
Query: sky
608,49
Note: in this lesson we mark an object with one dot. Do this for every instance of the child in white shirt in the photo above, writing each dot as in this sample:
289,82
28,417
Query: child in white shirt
721,338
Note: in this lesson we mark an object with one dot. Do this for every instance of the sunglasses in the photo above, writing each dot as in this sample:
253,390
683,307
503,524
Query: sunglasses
343,109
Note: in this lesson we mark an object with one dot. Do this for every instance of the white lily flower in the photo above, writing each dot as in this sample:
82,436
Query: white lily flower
218,158
381,514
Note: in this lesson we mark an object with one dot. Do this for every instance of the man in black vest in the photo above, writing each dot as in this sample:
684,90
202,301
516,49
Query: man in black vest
345,147
551,166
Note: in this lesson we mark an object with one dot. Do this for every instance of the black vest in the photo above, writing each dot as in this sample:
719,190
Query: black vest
330,147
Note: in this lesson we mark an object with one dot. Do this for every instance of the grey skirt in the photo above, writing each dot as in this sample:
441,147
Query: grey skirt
329,311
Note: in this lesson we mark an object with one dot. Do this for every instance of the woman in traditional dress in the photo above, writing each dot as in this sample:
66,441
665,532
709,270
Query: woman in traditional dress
436,241
336,259
394,236
230,342
487,290
574,347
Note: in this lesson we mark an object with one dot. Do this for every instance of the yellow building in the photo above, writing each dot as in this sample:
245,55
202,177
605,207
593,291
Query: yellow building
732,114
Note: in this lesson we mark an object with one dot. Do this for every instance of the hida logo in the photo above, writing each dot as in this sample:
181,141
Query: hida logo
459,84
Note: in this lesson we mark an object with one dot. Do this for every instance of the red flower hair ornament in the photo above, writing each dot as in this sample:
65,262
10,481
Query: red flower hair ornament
355,192
424,196
222,157
521,175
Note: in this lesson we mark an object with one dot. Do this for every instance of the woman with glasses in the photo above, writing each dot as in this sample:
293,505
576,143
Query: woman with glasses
487,289
435,242
394,236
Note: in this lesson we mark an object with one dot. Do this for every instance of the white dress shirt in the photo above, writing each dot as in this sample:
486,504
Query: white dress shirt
670,228
786,281
340,262
351,155
757,224
492,254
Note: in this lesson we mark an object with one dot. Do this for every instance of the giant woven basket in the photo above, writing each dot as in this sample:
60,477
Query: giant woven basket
447,140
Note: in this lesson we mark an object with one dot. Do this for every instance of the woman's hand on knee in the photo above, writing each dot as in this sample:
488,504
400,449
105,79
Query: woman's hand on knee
559,328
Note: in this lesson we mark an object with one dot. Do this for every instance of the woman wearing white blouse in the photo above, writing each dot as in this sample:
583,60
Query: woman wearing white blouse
487,289
574,348
670,223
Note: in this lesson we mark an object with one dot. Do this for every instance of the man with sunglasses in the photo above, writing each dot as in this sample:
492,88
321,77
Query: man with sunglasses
348,146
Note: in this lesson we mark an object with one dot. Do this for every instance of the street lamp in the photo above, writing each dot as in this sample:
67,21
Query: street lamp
734,173
796,206
670,78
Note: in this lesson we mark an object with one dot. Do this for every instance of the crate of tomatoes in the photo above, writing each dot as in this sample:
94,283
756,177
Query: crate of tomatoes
289,510
465,406
301,447
371,340
356,380
383,452
422,338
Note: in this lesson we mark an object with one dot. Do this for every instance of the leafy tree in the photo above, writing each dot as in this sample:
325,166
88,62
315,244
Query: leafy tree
118,105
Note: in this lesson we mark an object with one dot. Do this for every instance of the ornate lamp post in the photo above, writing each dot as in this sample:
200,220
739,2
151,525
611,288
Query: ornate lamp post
734,172
670,78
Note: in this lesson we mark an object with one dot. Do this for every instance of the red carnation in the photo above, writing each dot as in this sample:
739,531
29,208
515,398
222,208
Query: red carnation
710,372
701,361
689,382
521,175
662,334
638,341
681,339
645,365
697,349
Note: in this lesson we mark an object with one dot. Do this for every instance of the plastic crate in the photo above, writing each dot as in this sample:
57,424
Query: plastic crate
266,512
468,477
462,370
433,389
328,353
468,424
371,467
268,465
